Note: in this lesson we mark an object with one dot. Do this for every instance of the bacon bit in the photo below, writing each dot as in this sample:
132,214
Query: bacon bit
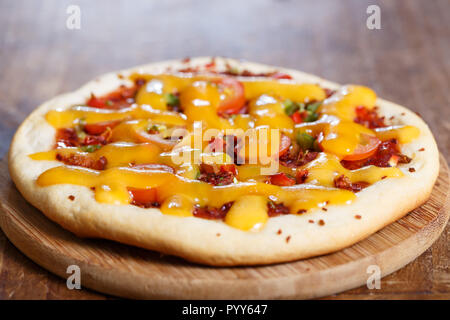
281,179
217,176
279,231
342,182
357,217
83,161
71,198
311,221
301,211
276,209
368,117
324,209
296,157
321,222
422,149
380,158
301,175
66,137
412,170
288,238
212,213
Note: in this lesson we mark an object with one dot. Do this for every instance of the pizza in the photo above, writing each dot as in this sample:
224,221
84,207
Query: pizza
223,162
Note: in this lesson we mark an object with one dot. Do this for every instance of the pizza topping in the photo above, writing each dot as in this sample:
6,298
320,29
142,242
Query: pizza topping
342,182
126,145
276,209
82,161
211,212
369,118
387,155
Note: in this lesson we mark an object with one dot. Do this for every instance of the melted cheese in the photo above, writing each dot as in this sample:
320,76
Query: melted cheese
199,98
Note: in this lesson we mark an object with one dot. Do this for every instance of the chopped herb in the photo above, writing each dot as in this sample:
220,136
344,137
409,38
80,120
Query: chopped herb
172,100
109,103
305,141
91,148
290,107
311,116
153,128
313,106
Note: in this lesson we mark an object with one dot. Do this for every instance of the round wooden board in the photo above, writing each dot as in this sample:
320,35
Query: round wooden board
131,272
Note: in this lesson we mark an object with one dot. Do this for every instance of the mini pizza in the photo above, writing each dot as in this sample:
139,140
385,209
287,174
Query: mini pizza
224,162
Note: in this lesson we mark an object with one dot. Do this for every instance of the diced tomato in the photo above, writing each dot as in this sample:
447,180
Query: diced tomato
281,75
285,143
297,117
282,179
114,100
236,101
228,168
143,196
367,147
100,127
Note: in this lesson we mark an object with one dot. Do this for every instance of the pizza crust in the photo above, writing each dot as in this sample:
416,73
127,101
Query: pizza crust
214,242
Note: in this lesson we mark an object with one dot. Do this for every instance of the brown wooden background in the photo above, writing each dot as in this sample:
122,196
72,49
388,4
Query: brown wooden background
407,61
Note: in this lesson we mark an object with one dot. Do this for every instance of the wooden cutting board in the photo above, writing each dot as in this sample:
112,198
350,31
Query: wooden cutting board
131,272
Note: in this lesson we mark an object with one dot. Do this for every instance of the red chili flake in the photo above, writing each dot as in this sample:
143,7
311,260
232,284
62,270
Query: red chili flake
357,216
324,209
218,234
288,238
120,76
412,170
329,92
71,198
301,211
402,113
383,177
186,60
92,188
321,222
279,232
422,149
311,221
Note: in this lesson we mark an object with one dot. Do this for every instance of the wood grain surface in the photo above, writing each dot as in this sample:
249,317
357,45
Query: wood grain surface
407,62
130,272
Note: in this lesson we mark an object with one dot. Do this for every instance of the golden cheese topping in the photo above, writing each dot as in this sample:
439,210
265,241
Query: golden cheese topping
218,147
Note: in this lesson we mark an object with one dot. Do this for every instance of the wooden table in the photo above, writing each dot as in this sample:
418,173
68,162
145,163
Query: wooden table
407,61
